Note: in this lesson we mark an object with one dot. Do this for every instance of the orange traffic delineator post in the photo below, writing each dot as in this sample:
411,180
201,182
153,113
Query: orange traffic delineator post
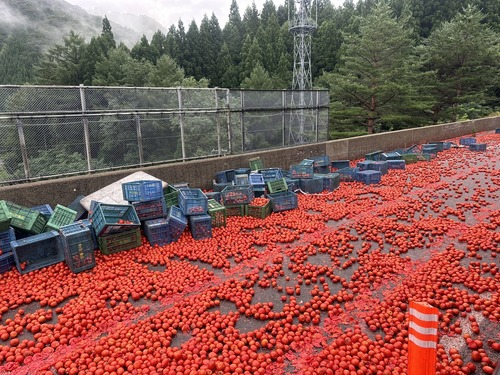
422,339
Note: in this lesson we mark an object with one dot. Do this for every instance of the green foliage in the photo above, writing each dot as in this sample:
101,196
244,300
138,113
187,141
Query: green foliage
259,79
17,57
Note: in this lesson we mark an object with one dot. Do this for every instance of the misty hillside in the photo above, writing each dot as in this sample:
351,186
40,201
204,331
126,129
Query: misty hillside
48,21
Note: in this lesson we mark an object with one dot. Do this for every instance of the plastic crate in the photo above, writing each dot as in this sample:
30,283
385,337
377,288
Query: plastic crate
110,219
497,131
44,209
61,216
446,145
217,212
6,262
414,149
381,166
241,179
218,187
259,190
5,239
150,210
394,155
259,212
375,155
177,222
270,174
321,161
117,242
242,171
477,147
171,196
89,225
256,164
307,162
193,202
467,141
429,149
78,247
347,174
322,170
142,191
302,171
181,185
311,185
438,144
364,165
256,179
200,226
237,210
26,219
331,181
369,177
410,158
215,195
293,184
339,164
5,216
157,231
283,201
37,251
225,176
396,164
233,195
81,212
277,186
425,156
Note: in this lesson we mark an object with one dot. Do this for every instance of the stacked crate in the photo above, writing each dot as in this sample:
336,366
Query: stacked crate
6,256
236,199
258,184
157,231
147,198
194,205
217,212
78,246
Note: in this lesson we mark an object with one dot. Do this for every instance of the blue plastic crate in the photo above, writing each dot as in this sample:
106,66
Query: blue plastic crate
321,161
219,186
256,179
242,171
78,247
44,209
89,225
396,164
234,195
497,131
5,239
302,171
142,191
110,219
293,184
270,174
369,177
446,145
364,165
193,202
322,169
307,162
375,155
381,166
157,231
225,176
438,144
37,251
340,164
200,226
6,262
283,201
177,222
347,174
331,181
150,210
215,195
394,155
429,149
311,185
467,141
241,179
477,147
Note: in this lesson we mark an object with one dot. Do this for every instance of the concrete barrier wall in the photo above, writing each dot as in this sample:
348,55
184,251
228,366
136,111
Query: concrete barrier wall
200,173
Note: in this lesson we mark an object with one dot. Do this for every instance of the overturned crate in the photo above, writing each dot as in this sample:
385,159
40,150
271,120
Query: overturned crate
78,247
37,251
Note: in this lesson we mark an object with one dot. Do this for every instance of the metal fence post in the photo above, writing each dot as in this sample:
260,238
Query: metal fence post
283,115
181,122
229,130
217,123
317,115
139,138
24,151
242,119
86,134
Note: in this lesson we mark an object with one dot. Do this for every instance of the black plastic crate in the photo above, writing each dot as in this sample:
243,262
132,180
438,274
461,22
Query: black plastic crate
151,209
5,239
331,181
122,241
283,201
233,195
381,166
110,219
81,212
78,247
477,147
142,191
302,171
177,222
6,262
311,185
200,226
348,174
157,231
37,251
339,164
193,202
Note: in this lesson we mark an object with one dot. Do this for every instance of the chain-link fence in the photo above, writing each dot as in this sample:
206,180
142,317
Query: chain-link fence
55,131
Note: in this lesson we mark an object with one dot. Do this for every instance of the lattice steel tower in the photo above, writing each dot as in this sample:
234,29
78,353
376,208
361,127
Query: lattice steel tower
301,25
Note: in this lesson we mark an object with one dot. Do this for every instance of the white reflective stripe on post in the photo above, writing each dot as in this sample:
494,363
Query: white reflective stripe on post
423,330
424,317
422,343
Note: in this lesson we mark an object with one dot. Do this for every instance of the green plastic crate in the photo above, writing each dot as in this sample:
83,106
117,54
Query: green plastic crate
256,164
277,186
5,217
217,212
171,196
237,210
410,158
26,219
120,241
259,212
61,216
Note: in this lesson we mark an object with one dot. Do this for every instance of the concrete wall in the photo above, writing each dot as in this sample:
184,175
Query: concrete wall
200,173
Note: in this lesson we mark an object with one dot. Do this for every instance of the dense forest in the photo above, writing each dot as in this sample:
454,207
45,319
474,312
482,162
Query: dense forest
388,64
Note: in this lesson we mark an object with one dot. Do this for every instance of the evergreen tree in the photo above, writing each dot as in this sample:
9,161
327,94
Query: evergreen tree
268,37
375,84
18,55
251,20
137,72
258,79
110,71
159,43
193,52
166,73
144,51
211,40
464,55
251,56
230,73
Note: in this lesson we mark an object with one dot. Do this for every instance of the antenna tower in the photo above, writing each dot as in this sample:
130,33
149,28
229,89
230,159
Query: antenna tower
301,25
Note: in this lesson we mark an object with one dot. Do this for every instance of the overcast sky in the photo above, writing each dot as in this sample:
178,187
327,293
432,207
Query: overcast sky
168,12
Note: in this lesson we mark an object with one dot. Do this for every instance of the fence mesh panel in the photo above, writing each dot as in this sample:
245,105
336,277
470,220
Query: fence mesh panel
52,131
